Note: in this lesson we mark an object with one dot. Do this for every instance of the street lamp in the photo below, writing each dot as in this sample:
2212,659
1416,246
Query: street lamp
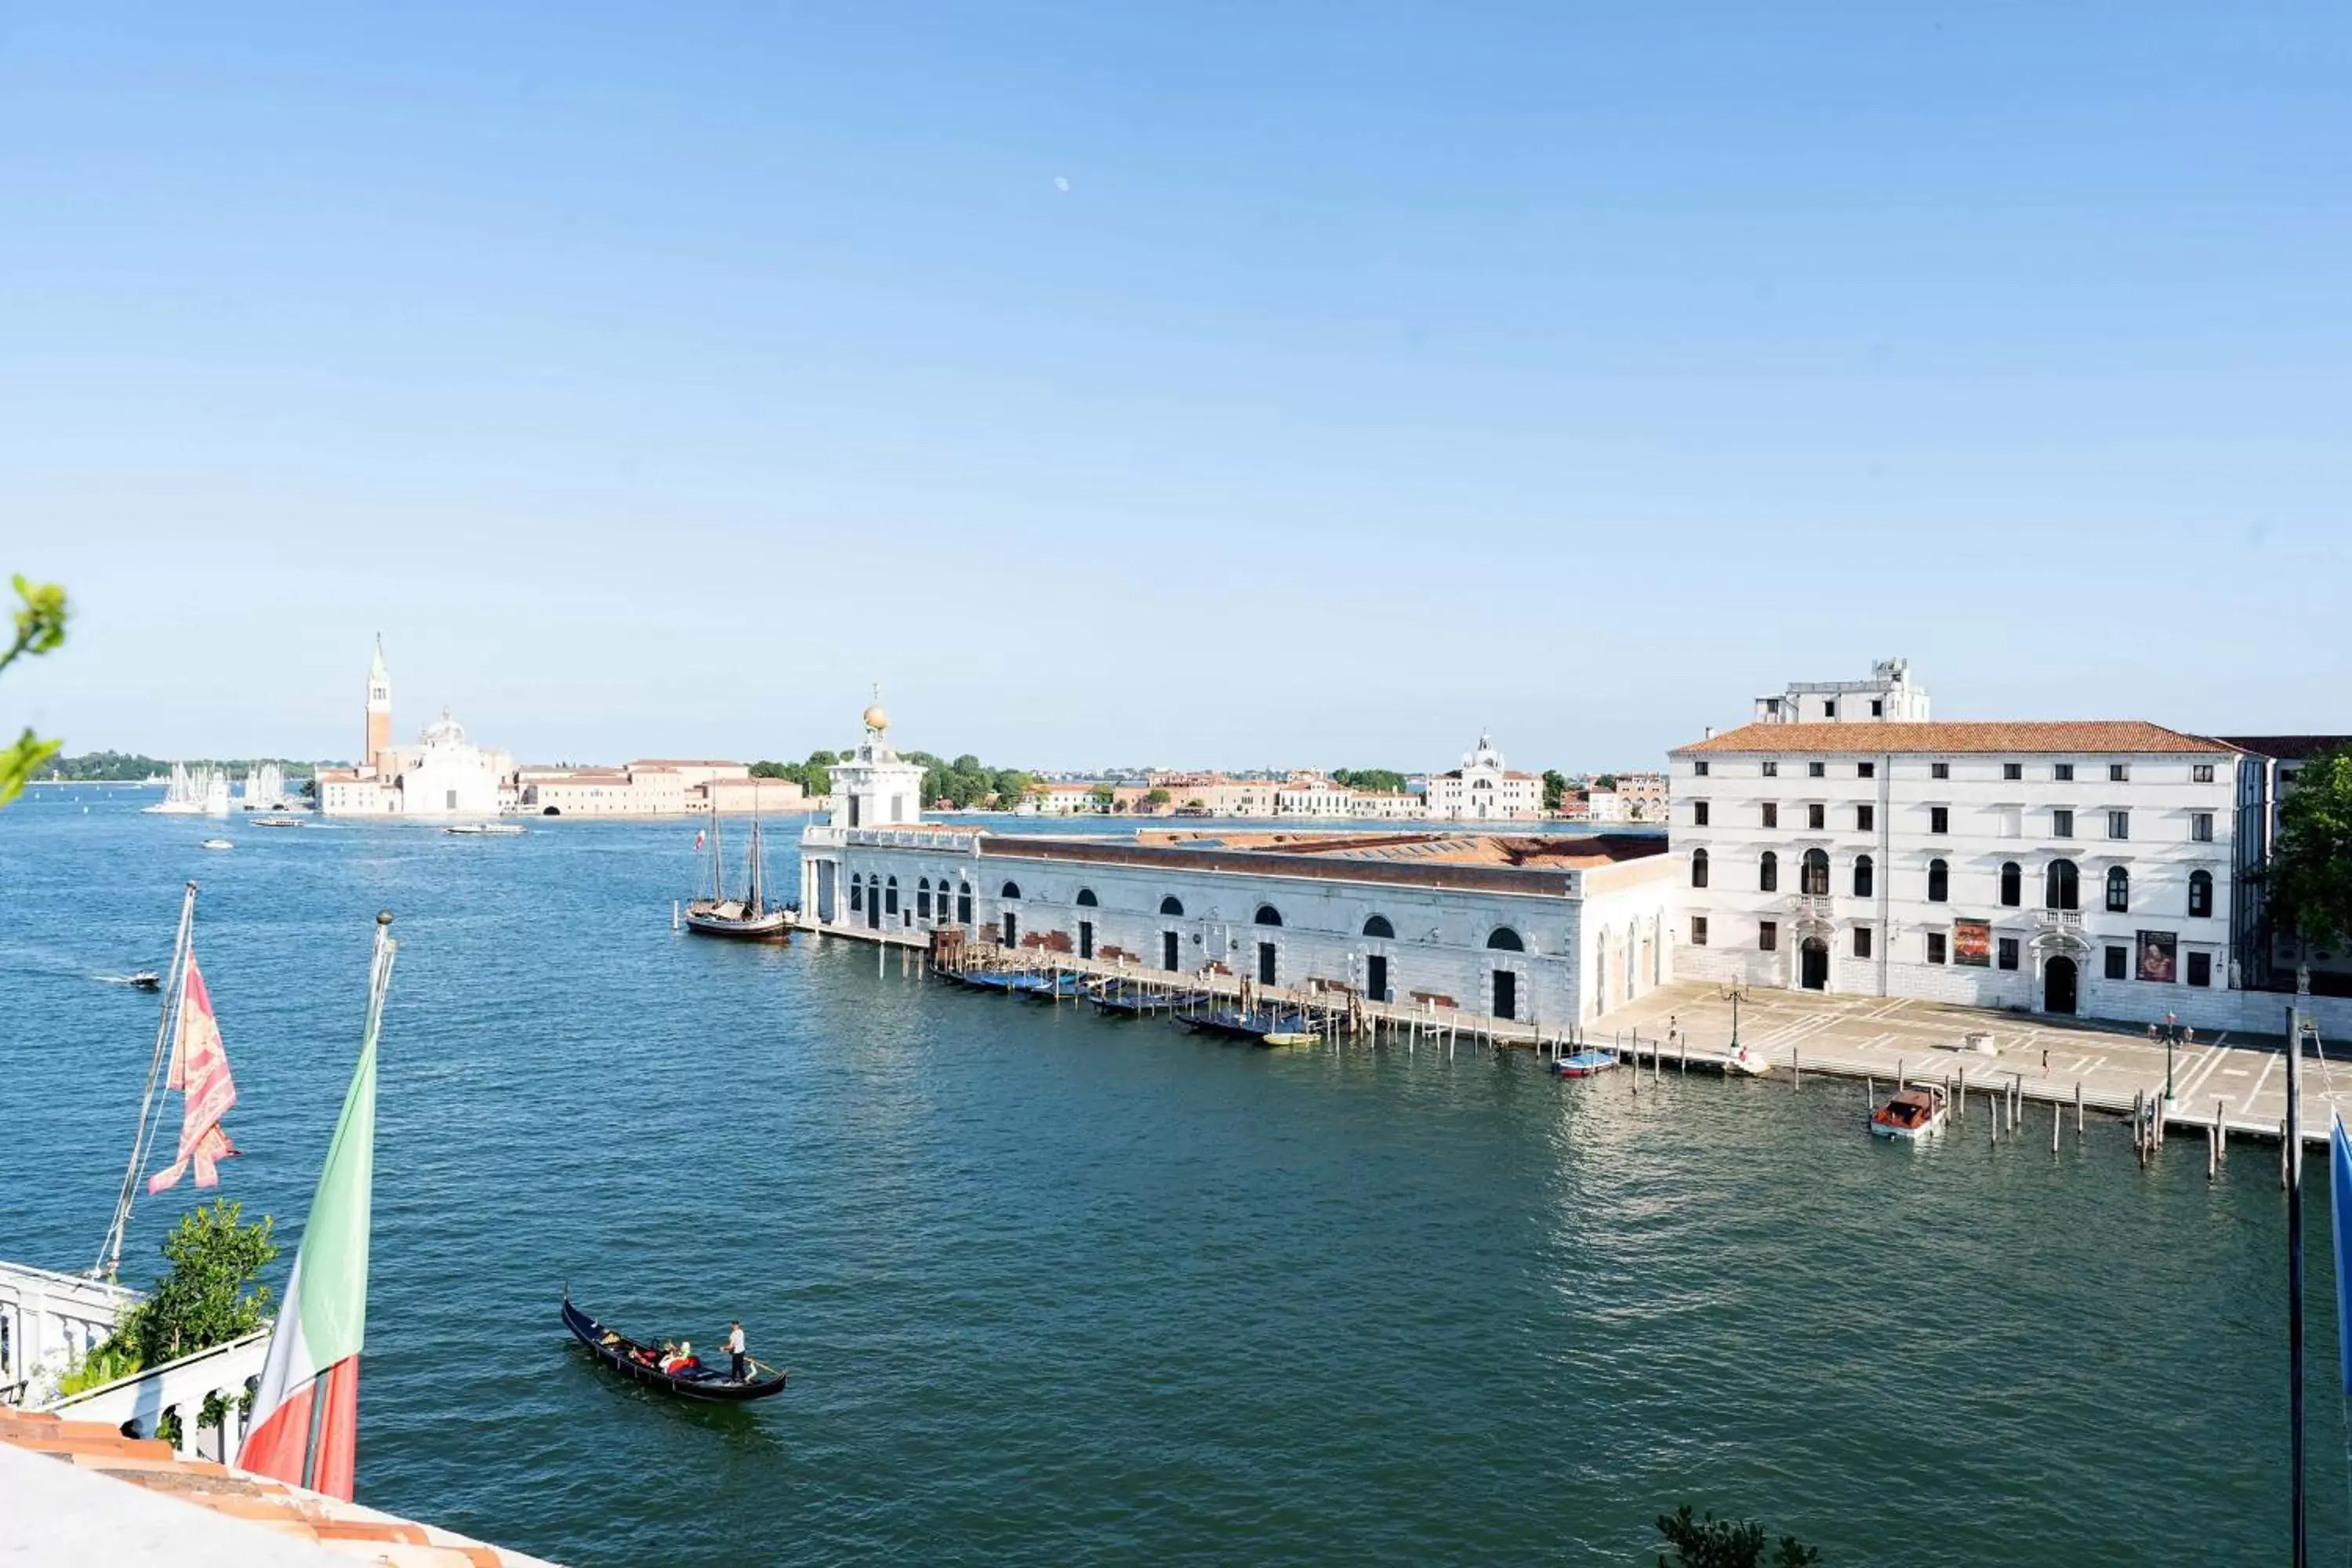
2172,1035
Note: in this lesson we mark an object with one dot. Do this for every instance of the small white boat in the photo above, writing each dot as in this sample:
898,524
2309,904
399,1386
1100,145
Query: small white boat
276,821
472,828
1291,1037
1745,1061
1912,1114
217,843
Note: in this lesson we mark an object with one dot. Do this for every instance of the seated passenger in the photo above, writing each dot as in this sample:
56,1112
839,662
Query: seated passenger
679,1360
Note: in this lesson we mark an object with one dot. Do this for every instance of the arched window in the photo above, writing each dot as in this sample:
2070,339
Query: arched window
1378,926
2200,892
1698,868
1505,939
1768,873
1939,883
857,894
1086,897
963,902
1171,905
1267,915
1865,877
923,900
2118,890
890,897
2012,885
2058,886
1012,890
1814,872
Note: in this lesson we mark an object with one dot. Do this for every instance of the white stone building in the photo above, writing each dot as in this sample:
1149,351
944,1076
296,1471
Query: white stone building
443,775
1483,790
1890,694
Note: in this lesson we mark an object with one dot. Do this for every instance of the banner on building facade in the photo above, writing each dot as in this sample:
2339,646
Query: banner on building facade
2159,956
1972,944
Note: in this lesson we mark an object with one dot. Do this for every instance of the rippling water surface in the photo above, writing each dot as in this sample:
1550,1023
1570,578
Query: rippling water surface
1058,1290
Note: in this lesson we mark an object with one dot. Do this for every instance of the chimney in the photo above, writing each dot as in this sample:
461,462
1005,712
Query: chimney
1710,733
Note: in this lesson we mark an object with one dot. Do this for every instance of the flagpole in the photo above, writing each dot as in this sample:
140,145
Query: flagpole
109,1251
2295,1279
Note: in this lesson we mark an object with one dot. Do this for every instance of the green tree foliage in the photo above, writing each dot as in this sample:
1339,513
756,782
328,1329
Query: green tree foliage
1104,797
1555,789
2309,878
1713,1543
40,627
208,1296
1156,797
1606,781
136,767
811,775
1379,781
967,781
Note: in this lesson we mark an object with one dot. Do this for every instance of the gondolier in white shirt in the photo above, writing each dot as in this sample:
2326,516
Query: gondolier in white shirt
742,1361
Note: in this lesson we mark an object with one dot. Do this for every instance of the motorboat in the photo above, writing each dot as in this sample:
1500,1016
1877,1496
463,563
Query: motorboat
276,821
473,830
1911,1113
1281,1037
1745,1061
1584,1064
217,843
145,979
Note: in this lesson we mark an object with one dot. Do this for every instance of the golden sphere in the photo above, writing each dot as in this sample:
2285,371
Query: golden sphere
876,719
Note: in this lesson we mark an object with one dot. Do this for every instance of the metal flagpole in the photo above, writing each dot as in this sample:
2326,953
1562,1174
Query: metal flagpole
109,1251
2295,1275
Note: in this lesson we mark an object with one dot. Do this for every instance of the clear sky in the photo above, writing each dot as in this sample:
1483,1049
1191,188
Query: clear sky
1215,384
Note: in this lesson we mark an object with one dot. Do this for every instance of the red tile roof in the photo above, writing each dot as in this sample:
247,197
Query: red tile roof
2118,736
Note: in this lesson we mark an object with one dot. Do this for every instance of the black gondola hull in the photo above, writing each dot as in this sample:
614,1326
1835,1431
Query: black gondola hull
711,1390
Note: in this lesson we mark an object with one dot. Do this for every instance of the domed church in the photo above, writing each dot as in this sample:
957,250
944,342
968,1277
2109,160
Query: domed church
445,774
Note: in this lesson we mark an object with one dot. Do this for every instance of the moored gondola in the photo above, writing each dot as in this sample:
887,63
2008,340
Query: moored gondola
617,1349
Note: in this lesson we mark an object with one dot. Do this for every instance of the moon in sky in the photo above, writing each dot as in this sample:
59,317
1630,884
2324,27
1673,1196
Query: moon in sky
1061,184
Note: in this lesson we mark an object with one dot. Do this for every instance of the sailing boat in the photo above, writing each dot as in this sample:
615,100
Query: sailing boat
749,918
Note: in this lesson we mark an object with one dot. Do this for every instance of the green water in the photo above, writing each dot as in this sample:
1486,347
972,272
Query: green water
1058,1290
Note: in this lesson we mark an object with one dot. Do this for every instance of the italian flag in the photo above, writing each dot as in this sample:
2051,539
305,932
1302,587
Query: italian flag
305,1413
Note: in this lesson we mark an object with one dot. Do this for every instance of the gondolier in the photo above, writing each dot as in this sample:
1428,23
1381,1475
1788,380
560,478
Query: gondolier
741,1363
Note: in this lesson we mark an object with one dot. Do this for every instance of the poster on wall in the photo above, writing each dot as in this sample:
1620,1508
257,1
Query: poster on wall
2159,956
1972,944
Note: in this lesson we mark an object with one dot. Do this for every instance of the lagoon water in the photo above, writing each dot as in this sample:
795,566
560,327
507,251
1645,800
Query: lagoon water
1056,1290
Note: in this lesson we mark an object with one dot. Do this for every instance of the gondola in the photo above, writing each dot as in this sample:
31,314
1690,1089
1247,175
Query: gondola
613,1348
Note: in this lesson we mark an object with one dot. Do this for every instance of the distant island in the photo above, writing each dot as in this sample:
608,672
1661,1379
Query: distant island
133,767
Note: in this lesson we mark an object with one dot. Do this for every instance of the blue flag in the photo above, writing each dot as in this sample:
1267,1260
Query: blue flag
2339,1166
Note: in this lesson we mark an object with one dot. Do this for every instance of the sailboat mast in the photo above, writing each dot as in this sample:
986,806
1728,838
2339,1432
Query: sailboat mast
752,899
718,867
176,977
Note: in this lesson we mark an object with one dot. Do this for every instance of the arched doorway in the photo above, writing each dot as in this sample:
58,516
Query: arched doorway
2058,985
1813,964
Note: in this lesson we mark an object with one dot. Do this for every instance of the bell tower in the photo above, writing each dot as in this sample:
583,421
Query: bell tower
379,711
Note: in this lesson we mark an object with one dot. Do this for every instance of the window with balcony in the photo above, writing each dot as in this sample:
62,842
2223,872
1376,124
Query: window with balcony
1940,819
2118,963
1813,874
1939,883
2119,773
1768,936
1698,930
2200,773
1939,770
2012,885
2063,771
1768,873
1815,770
1698,813
2200,826
1698,868
2201,968
2062,824
1771,811
2119,825
2060,886
2200,894
1862,942
1935,947
2007,953
1817,817
2118,890
1864,876
2013,769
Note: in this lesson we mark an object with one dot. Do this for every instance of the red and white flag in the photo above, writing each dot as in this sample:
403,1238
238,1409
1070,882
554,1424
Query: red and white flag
697,838
199,1072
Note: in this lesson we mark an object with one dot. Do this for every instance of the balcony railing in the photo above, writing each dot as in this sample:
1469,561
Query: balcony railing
825,836
2064,920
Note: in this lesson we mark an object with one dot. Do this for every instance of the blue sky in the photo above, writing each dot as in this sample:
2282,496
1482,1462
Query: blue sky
656,378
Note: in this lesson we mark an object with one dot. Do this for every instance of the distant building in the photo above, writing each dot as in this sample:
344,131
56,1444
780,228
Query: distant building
1483,790
1643,795
443,775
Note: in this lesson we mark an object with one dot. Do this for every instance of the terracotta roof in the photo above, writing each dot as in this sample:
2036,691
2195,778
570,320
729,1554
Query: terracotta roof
271,1509
2122,736
2289,748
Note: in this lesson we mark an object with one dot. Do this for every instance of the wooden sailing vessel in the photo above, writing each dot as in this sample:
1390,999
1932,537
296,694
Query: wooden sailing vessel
750,918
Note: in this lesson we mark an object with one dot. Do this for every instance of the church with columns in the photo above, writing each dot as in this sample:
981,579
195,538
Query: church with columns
444,773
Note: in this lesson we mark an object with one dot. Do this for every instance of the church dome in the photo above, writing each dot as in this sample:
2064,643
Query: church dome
876,719
444,732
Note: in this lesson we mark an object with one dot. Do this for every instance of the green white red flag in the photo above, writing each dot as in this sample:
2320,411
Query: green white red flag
305,1425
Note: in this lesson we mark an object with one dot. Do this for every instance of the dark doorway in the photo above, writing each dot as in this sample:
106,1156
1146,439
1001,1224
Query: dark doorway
963,905
1506,994
1376,977
2058,985
1086,939
1813,964
1012,929
873,906
1169,945
1266,963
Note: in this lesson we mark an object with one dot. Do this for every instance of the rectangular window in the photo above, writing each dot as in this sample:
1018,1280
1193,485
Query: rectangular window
2118,771
1817,817
2063,771
2062,824
2118,963
2201,968
2013,769
1862,942
2200,773
1939,770
2200,826
1815,770
1940,819
1829,709
1772,770
1698,813
2119,825
1698,930
1865,817
1878,708
1767,935
2008,952
1935,947
1865,769
1698,768
1771,810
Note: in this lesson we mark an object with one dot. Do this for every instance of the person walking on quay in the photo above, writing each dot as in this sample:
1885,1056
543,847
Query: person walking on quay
740,1365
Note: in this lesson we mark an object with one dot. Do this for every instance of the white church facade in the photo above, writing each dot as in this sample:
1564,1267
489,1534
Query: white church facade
1483,790
443,775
